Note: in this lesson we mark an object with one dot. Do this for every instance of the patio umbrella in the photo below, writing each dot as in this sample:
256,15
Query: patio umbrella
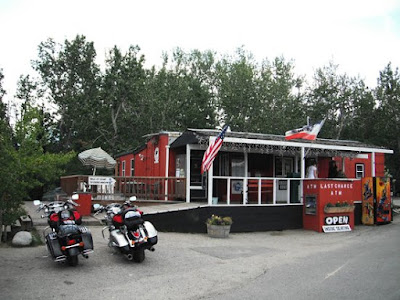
97,158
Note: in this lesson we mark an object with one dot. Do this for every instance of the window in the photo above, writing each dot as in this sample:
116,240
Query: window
360,170
237,165
132,167
123,168
283,166
196,158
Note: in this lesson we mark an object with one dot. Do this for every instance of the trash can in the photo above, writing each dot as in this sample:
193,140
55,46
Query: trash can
214,200
85,203
26,223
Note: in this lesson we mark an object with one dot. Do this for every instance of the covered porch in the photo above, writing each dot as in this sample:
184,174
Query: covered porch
260,169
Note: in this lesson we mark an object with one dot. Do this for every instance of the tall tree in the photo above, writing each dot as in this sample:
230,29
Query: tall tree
122,99
387,117
237,96
11,189
331,97
279,92
72,80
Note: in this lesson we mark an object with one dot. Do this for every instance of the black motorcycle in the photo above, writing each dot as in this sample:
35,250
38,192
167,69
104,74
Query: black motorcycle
65,237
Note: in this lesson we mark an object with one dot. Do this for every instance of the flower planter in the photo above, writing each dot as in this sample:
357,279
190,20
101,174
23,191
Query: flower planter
334,209
218,231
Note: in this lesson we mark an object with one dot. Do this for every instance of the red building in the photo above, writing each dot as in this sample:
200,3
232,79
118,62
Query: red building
151,159
250,170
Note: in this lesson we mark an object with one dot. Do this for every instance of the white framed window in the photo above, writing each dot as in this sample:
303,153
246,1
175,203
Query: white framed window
360,173
123,168
132,167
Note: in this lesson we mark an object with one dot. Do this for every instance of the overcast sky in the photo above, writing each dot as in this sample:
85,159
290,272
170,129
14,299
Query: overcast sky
361,36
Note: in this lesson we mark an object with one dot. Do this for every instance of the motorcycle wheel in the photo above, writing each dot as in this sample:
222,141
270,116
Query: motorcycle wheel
138,255
72,260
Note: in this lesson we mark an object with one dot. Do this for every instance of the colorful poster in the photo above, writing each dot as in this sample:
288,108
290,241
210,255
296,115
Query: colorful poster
367,216
383,200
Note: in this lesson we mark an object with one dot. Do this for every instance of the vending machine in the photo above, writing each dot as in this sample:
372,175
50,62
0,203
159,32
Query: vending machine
376,201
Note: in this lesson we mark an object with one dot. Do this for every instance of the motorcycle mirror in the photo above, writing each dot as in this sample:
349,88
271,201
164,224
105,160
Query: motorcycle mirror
73,203
133,198
37,202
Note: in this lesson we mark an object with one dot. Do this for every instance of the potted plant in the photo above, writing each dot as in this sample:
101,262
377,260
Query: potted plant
219,227
338,207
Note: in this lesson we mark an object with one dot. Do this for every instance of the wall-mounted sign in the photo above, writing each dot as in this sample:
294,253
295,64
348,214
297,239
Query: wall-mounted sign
156,155
282,185
237,186
101,180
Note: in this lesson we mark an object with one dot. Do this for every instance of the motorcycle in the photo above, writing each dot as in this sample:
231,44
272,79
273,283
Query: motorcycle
65,237
128,232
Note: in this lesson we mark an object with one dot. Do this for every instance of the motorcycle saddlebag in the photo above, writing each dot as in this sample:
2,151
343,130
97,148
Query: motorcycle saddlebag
86,238
53,245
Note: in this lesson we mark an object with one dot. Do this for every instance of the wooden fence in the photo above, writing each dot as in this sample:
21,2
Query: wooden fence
144,188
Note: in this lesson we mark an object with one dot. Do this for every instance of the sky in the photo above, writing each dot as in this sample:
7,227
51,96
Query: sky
361,36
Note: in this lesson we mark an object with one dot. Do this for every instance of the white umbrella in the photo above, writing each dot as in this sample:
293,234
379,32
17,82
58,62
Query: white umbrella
97,158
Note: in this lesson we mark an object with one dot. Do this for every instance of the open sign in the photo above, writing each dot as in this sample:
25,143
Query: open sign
337,220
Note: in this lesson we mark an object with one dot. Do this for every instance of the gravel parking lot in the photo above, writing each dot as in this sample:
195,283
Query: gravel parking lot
184,266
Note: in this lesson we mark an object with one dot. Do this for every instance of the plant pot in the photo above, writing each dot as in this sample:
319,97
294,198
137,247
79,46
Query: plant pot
218,231
334,209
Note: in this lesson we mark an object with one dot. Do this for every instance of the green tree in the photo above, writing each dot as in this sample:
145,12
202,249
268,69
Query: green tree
11,191
279,92
387,117
181,92
71,79
33,136
122,112
237,96
259,98
331,96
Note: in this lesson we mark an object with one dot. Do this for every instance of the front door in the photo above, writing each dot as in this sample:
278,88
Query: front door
284,167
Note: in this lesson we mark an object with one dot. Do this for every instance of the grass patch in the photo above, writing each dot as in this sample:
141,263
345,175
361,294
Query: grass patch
36,238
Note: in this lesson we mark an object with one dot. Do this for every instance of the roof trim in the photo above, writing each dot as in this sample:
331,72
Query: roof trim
203,136
306,145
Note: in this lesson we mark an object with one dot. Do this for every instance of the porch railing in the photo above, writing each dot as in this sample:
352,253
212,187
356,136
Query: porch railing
256,190
144,188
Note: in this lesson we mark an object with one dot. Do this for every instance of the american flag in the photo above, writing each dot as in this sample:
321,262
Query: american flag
212,150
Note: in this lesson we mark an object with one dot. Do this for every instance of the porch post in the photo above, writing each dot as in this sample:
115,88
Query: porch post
210,184
303,163
166,172
187,173
246,170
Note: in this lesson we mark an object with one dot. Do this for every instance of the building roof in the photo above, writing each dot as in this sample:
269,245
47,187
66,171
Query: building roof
268,143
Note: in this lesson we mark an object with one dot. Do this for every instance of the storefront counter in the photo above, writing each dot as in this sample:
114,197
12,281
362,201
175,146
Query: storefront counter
329,205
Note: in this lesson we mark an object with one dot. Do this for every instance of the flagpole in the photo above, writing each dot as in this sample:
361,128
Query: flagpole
210,181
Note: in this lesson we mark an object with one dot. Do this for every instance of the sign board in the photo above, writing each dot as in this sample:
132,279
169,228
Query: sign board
336,228
101,180
237,186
